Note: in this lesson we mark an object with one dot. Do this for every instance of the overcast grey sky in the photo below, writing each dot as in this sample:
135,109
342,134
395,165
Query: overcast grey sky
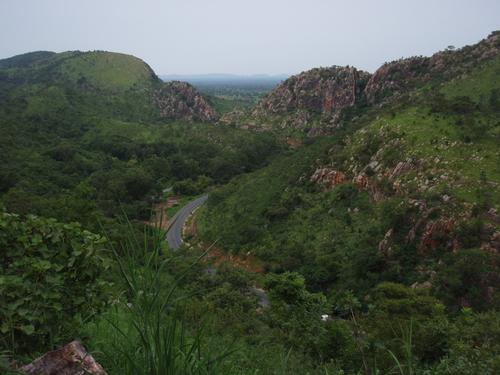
247,36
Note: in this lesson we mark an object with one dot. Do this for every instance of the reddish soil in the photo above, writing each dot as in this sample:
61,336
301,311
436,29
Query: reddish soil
215,255
248,262
159,219
294,142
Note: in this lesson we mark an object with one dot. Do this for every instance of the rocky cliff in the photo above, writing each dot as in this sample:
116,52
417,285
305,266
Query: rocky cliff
397,77
320,91
320,95
179,100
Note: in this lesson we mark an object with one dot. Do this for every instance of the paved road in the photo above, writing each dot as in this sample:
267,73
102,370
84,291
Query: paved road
174,234
174,238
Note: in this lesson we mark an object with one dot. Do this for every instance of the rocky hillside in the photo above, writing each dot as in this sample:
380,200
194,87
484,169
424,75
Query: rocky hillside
317,98
408,193
322,91
399,77
180,100
119,84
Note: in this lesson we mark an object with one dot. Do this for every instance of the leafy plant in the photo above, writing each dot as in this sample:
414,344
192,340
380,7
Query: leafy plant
49,280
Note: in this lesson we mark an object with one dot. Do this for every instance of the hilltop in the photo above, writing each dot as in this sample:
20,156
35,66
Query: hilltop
98,81
321,92
322,99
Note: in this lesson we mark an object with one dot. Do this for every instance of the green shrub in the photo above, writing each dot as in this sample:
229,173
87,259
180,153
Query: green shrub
474,345
49,280
469,278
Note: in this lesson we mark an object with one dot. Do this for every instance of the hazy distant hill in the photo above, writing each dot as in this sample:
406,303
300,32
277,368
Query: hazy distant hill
227,79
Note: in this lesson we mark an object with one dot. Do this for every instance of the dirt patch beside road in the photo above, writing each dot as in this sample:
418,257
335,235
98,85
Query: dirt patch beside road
248,262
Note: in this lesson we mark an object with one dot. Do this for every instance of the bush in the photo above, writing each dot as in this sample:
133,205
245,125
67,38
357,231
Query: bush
186,187
49,280
397,309
468,278
475,345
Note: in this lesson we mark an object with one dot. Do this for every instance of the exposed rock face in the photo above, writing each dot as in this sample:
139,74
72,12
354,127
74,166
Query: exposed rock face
398,77
325,92
327,177
493,215
322,91
425,285
404,167
361,182
492,243
365,183
71,359
385,245
180,100
437,233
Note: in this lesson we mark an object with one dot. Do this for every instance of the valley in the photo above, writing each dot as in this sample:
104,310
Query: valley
337,221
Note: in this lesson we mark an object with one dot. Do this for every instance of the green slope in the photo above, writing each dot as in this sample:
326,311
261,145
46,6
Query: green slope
71,85
334,236
26,59
100,69
106,70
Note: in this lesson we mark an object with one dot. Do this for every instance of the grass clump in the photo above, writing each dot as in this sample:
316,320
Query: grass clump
144,331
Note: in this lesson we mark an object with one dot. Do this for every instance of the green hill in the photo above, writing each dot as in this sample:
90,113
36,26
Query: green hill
100,69
96,83
26,59
391,197
102,127
393,219
107,70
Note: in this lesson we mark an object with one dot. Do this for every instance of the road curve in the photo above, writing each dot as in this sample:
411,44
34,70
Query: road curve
174,233
174,239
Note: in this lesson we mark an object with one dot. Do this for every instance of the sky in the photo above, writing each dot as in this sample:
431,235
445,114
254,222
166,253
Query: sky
247,36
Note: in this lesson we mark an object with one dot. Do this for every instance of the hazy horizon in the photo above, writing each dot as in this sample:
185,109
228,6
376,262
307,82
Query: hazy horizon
281,37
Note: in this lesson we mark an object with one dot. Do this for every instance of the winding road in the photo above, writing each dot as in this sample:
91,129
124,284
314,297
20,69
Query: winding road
174,239
174,233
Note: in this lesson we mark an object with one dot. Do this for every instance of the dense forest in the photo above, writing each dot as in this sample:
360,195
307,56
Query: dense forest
369,221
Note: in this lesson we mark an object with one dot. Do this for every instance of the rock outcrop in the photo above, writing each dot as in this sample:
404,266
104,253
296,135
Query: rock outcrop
181,101
328,178
71,359
438,233
493,243
398,77
323,91
385,245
